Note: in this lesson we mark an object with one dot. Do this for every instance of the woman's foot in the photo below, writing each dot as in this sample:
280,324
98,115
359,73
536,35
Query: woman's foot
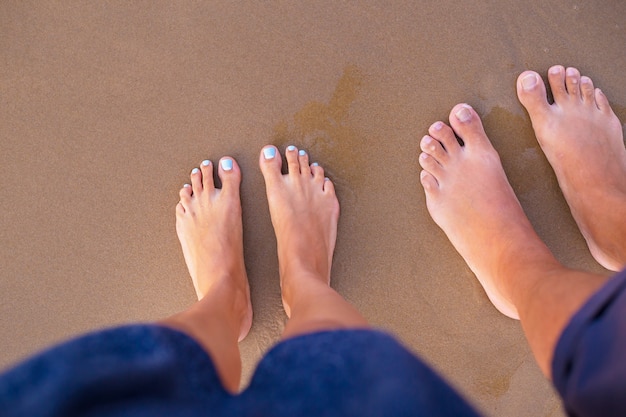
583,141
208,224
304,211
469,197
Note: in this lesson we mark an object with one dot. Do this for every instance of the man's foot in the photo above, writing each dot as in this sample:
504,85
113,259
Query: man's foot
469,197
208,223
583,141
304,211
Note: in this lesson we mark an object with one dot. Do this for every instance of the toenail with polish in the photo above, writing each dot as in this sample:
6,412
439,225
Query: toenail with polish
269,153
463,114
315,164
186,185
291,148
529,82
301,152
195,171
326,179
206,163
227,164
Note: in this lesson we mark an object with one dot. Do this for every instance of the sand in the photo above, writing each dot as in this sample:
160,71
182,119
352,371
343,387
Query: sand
106,107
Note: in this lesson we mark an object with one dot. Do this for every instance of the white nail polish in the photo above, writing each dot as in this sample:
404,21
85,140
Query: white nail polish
301,152
291,148
206,163
195,171
186,185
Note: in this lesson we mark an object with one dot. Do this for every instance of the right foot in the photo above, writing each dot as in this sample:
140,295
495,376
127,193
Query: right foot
304,211
469,197
583,141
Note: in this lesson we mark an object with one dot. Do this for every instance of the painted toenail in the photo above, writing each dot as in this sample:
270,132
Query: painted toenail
186,185
291,148
195,171
301,152
529,82
326,179
315,164
269,153
206,163
227,164
463,114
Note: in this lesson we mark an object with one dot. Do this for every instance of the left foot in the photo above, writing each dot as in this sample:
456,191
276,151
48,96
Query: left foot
209,226
469,197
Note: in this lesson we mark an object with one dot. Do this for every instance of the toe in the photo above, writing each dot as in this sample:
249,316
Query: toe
602,101
207,175
230,175
434,148
317,171
572,82
429,164
466,123
429,182
531,92
587,90
441,132
196,181
180,209
185,196
556,78
329,187
303,161
270,163
291,154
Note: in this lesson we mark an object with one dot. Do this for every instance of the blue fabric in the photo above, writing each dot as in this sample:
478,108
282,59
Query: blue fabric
589,365
147,370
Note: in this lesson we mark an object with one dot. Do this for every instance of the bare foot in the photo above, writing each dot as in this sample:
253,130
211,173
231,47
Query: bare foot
208,223
583,141
469,197
304,211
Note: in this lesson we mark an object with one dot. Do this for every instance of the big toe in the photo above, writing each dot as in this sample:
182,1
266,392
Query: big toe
531,92
230,175
270,162
467,125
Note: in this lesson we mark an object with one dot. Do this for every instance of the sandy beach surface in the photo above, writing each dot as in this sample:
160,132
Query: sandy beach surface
105,108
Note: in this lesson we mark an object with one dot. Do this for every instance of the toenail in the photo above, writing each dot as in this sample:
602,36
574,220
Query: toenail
186,185
315,164
227,164
269,153
195,171
437,126
206,163
301,152
326,179
463,114
529,82
291,148
585,80
555,70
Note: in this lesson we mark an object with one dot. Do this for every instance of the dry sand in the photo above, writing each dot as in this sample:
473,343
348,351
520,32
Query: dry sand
106,107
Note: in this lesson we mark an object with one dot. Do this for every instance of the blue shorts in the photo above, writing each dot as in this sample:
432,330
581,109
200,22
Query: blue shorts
148,370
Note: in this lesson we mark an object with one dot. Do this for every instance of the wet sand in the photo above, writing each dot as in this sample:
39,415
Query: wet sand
105,108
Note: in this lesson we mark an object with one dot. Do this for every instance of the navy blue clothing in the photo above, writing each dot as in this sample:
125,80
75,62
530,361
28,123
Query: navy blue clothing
149,370
589,366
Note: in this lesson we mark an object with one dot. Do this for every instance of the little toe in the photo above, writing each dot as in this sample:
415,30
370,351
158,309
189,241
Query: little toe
602,102
230,175
270,163
556,78
572,82
207,175
329,187
429,182
291,154
434,148
587,90
531,92
466,123
196,181
303,160
442,132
